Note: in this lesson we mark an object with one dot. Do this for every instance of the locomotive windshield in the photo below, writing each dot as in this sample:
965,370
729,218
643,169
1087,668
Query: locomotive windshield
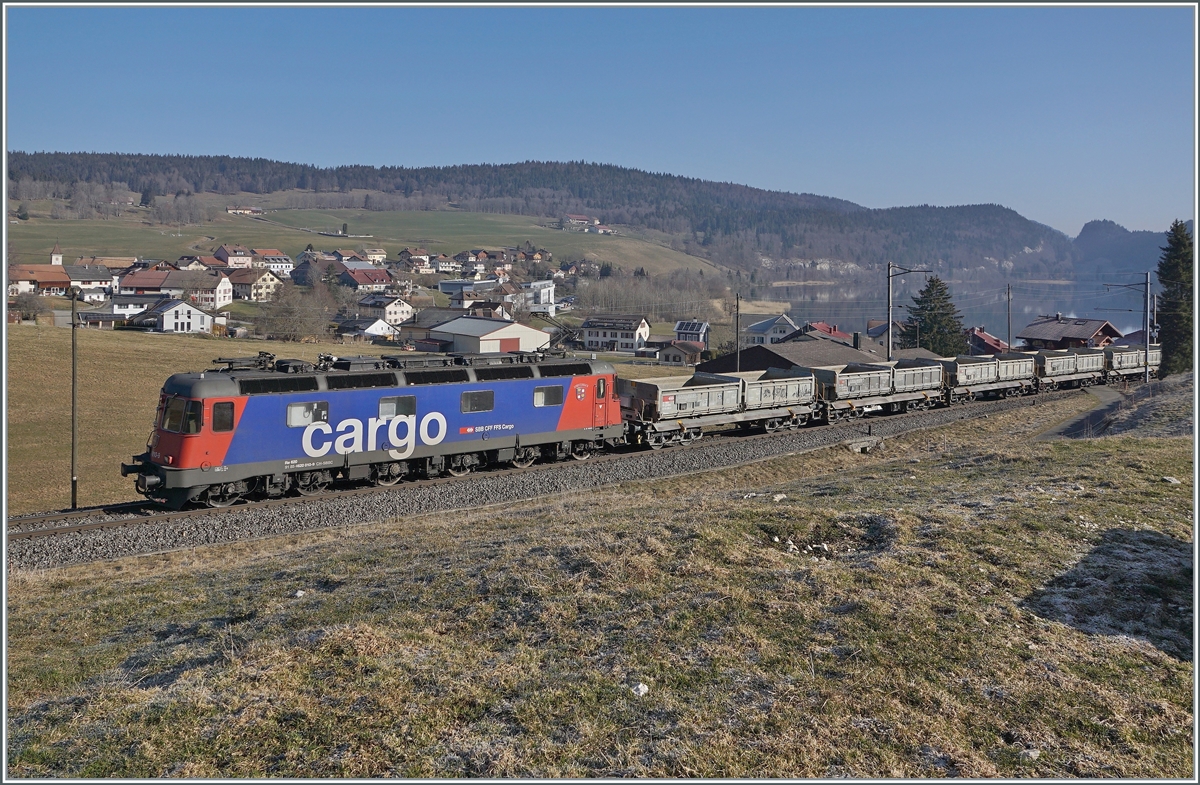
182,416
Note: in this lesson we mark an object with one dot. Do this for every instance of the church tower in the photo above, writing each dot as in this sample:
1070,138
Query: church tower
56,255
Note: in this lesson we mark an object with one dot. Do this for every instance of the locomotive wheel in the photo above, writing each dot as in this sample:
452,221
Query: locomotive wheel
311,483
455,468
386,474
581,451
223,495
525,456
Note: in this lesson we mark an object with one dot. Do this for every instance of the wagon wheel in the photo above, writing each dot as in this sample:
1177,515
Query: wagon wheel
386,474
223,495
772,425
656,441
311,483
524,457
581,451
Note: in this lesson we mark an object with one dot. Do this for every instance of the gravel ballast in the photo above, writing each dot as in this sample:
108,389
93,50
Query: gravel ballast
472,491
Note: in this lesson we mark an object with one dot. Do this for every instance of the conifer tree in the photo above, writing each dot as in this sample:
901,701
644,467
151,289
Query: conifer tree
938,323
1175,308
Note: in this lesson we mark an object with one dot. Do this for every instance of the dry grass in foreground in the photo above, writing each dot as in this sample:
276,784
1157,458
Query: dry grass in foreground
949,607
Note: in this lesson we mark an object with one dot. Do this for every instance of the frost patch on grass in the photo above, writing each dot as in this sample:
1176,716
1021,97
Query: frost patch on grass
1135,583
1161,410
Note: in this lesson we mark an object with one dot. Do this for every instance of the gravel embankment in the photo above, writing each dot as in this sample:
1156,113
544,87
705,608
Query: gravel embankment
240,523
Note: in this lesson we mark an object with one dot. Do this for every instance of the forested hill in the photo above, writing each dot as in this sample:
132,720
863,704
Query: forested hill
736,225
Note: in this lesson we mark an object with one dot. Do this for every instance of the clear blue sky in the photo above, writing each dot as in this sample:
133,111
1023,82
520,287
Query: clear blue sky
1063,114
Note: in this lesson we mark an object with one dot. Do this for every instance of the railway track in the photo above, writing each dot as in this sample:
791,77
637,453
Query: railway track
67,537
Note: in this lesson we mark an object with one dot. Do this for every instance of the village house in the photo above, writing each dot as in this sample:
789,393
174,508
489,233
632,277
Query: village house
310,271
419,266
615,332
980,342
236,256
772,329
244,210
94,281
692,330
448,266
132,304
409,254
201,263
1065,332
359,329
417,327
681,353
211,291
137,281
366,280
392,310
119,309
43,279
309,255
111,262
347,256
274,260
374,255
578,221
174,316
257,285
476,335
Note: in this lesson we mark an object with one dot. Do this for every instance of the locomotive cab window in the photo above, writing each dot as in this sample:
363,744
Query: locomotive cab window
478,401
548,396
193,417
222,416
600,389
173,415
301,415
397,406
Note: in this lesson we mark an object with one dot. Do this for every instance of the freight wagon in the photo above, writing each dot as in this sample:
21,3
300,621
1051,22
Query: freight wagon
674,410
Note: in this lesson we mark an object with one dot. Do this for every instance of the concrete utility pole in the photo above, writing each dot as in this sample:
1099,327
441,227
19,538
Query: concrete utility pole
890,276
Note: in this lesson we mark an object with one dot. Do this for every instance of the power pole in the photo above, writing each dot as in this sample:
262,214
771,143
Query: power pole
1010,317
890,276
1147,321
74,399
737,331
1145,287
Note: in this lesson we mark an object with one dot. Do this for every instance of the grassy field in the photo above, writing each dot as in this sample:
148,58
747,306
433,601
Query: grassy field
962,603
120,374
440,231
